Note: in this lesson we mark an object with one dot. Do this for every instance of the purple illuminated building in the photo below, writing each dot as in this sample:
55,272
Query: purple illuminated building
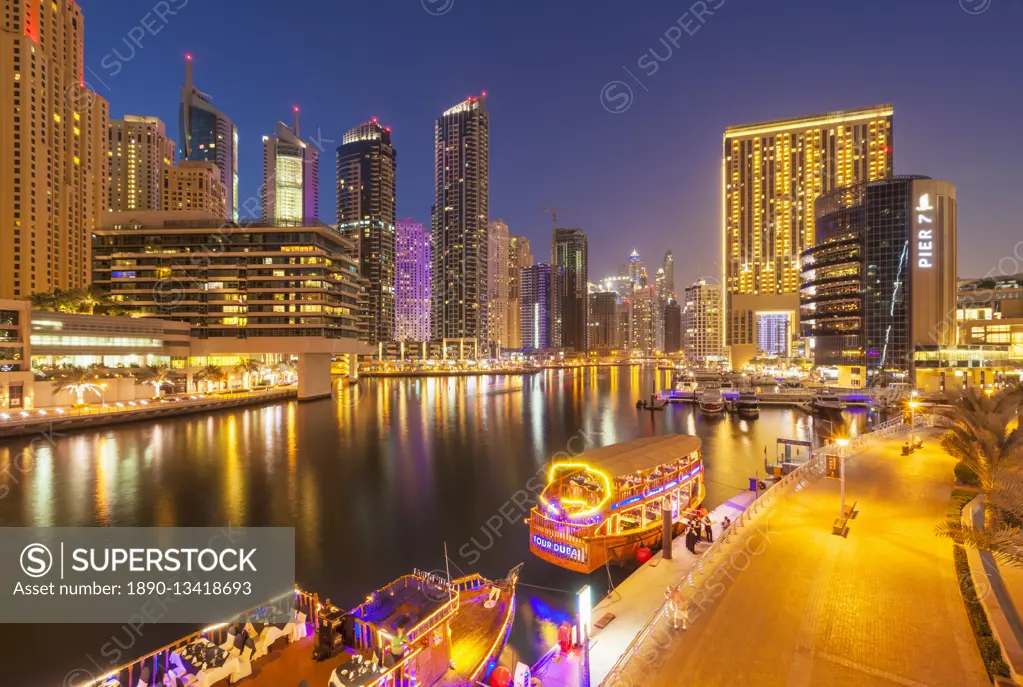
412,296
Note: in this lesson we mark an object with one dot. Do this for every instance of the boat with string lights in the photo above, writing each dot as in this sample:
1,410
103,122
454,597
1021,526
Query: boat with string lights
602,506
421,630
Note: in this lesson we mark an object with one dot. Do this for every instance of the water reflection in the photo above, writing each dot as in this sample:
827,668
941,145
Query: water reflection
377,480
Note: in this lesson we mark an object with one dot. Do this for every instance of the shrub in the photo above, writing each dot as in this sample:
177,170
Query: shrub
966,476
990,650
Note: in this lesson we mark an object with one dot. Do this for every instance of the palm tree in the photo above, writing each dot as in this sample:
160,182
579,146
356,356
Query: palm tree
77,380
984,441
157,376
247,368
211,374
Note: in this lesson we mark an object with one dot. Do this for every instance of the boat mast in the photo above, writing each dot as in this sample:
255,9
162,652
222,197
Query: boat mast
447,565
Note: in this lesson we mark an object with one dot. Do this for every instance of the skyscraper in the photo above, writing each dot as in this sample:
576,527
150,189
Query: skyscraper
701,324
367,166
535,306
291,177
643,320
604,328
205,134
53,171
459,220
498,282
635,268
772,174
139,150
519,258
880,282
412,295
672,327
571,309
669,276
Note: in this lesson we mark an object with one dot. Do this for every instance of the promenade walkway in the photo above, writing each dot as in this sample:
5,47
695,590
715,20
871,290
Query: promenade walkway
806,607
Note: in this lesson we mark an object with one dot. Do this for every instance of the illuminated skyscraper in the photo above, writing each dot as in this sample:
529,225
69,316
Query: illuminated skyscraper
460,214
880,281
412,296
669,276
772,174
498,282
205,134
571,292
53,169
519,258
139,151
701,324
367,165
535,306
291,177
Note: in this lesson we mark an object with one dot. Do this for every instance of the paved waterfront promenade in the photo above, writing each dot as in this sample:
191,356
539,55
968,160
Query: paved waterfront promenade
881,607
633,602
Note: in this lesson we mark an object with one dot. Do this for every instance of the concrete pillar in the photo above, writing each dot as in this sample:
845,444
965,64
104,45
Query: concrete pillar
313,376
666,534
353,365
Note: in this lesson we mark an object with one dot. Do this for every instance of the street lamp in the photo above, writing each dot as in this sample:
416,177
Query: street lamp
842,443
913,405
103,395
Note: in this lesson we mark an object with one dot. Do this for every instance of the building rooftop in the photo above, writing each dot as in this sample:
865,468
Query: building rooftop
807,121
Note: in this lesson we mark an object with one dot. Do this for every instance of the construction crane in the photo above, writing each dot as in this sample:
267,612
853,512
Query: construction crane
554,214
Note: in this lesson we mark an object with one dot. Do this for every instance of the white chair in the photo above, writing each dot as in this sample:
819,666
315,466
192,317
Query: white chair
299,630
244,667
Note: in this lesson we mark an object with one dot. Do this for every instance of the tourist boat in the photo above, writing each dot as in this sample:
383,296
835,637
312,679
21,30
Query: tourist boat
765,380
603,505
827,402
748,404
456,630
711,401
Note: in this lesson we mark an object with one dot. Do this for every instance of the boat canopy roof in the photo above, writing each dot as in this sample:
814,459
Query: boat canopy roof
647,453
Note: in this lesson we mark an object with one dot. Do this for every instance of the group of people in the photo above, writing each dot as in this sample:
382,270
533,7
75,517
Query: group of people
697,528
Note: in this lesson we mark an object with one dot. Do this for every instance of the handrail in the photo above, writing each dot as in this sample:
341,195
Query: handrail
214,630
806,472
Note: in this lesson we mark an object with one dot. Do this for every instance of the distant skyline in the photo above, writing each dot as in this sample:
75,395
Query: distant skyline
648,177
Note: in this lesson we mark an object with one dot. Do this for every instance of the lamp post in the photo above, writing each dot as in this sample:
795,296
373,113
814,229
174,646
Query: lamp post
842,443
913,404
103,395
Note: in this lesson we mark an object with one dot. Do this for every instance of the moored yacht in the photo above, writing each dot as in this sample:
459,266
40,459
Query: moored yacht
828,402
748,404
711,401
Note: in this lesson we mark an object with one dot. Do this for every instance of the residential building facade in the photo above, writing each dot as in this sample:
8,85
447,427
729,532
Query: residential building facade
367,165
460,215
139,151
53,133
772,174
412,294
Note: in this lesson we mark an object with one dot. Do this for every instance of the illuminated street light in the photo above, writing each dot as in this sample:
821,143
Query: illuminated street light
842,443
913,405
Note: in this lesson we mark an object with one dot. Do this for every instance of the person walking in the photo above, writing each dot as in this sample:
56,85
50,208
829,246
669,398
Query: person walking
707,529
698,529
690,538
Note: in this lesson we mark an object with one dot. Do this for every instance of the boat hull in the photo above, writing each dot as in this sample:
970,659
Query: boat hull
592,553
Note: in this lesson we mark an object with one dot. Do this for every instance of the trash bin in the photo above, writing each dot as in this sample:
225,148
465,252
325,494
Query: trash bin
753,484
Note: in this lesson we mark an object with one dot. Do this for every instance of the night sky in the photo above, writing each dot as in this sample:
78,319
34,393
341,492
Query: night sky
647,177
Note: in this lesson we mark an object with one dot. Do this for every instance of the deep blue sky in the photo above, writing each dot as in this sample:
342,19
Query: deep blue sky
646,178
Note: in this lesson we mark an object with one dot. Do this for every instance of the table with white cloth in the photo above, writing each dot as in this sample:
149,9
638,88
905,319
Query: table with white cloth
208,662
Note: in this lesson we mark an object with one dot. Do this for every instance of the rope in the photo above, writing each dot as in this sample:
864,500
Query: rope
550,589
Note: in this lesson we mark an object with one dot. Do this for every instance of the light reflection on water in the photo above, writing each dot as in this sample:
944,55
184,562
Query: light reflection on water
377,480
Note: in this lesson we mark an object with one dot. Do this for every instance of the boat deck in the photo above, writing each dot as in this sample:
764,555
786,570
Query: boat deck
475,630
290,665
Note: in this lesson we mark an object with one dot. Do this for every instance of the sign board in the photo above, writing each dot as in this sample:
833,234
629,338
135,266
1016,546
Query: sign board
833,466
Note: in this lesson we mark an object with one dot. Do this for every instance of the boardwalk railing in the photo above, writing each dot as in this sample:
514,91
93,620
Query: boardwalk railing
633,667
